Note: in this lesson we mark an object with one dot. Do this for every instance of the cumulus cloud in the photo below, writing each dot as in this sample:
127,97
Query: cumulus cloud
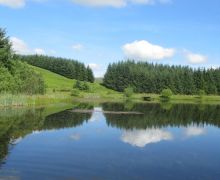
144,50
141,138
194,131
94,66
21,47
77,47
98,70
117,3
13,3
194,58
17,3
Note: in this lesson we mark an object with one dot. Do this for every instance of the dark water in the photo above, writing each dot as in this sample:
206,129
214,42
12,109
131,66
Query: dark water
165,142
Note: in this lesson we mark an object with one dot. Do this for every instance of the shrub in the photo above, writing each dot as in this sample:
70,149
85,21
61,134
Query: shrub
82,86
6,80
201,93
166,93
128,92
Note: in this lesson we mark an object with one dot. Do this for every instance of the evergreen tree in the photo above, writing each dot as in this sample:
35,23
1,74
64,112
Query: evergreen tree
153,78
6,54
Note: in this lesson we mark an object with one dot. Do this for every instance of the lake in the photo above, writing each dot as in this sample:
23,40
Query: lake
163,141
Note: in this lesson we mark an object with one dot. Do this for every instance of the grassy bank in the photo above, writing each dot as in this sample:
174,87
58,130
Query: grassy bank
59,89
7,100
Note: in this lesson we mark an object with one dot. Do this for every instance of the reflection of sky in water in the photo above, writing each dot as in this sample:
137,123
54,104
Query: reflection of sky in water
97,115
75,137
194,131
141,138
95,149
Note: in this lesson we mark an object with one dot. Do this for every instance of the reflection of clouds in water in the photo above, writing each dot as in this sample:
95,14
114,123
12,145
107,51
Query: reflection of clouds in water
141,138
15,141
96,115
36,132
75,137
194,131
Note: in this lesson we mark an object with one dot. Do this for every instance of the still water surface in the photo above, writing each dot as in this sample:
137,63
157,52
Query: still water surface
165,142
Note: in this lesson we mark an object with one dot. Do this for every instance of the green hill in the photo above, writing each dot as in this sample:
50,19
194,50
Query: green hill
58,83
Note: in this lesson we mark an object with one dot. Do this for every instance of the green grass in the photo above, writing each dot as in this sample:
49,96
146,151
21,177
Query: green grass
59,90
59,84
55,81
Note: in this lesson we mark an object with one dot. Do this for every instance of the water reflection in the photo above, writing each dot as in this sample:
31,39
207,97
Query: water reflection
141,138
17,123
179,115
97,144
194,131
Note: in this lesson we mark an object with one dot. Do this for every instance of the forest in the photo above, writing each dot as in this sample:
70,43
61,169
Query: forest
66,67
153,78
17,77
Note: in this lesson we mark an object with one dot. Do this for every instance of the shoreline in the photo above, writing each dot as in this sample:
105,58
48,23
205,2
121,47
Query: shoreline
17,101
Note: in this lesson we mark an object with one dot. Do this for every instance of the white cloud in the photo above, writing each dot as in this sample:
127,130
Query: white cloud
141,138
17,3
96,3
94,66
13,3
21,47
77,47
194,58
117,3
194,131
143,51
39,51
98,70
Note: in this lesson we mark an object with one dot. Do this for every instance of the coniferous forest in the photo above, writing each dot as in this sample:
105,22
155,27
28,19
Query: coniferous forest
153,78
68,68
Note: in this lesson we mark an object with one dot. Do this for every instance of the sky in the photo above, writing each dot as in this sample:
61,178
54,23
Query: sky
99,32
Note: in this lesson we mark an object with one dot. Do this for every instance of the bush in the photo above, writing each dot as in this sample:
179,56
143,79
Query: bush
27,81
21,79
201,93
6,80
15,76
166,93
128,92
82,86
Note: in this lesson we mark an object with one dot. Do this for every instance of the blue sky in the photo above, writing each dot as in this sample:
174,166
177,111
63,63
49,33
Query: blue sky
99,32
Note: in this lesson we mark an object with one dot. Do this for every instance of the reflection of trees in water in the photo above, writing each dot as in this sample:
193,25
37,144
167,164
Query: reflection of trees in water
157,116
65,119
16,123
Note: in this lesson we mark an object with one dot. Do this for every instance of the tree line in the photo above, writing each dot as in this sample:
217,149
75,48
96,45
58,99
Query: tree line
68,68
153,78
17,77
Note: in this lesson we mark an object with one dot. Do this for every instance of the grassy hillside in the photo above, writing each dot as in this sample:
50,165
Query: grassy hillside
54,81
57,83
